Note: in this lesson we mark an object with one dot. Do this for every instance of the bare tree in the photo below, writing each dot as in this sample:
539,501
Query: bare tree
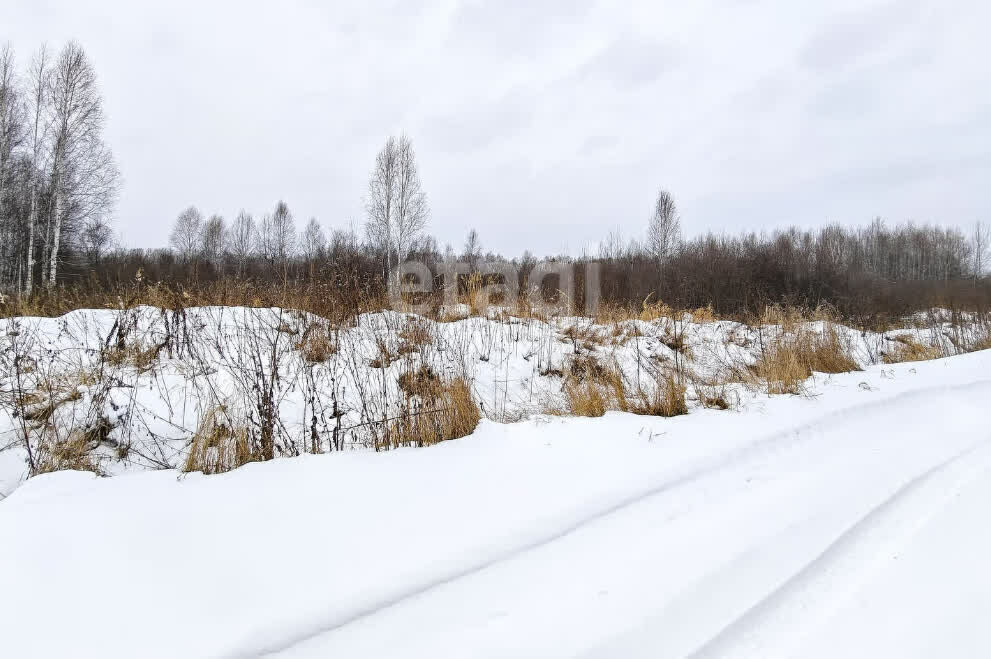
212,237
411,206
39,77
11,127
185,238
396,206
981,245
664,231
473,249
241,238
380,203
277,236
83,175
314,240
613,247
96,238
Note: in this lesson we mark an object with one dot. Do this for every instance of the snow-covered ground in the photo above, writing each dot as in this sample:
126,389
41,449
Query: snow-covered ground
849,523
136,386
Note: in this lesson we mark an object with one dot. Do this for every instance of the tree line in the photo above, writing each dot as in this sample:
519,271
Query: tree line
58,180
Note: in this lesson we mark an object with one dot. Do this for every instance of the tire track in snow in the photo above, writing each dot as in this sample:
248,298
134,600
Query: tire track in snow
784,440
776,625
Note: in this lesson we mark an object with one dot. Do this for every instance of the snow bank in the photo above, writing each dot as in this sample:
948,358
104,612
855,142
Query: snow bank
139,384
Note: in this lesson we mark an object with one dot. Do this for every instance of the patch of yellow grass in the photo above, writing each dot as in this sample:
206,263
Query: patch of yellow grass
908,349
317,345
217,447
667,398
653,310
449,412
791,359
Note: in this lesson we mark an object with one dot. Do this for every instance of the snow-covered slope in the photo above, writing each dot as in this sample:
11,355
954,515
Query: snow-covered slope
136,386
852,523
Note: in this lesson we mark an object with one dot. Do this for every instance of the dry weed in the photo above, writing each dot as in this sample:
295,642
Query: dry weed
449,412
792,358
217,447
317,345
667,398
908,349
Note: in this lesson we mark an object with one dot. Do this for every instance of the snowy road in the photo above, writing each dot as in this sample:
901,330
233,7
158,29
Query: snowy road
852,524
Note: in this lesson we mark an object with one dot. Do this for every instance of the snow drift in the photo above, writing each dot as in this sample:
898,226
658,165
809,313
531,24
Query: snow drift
849,523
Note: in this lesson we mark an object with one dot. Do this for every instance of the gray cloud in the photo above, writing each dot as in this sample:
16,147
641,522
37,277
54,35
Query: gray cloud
630,62
542,124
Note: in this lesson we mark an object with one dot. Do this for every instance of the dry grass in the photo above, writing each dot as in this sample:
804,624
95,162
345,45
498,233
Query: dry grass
217,447
476,301
591,388
416,332
792,358
610,313
712,396
422,383
982,343
650,311
585,399
583,337
787,318
908,349
317,345
73,453
703,315
133,354
666,398
449,412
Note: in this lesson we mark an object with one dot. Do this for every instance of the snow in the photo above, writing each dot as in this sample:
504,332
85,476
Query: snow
216,358
848,523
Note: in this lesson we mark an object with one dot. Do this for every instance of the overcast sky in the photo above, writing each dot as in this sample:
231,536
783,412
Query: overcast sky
542,124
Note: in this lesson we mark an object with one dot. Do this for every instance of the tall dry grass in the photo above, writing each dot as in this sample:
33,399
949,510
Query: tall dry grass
437,411
790,358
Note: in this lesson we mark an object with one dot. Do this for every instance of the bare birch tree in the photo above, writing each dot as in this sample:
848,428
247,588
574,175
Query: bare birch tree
314,240
411,209
83,175
396,207
241,239
380,203
277,236
185,237
664,231
38,98
212,237
11,128
473,249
